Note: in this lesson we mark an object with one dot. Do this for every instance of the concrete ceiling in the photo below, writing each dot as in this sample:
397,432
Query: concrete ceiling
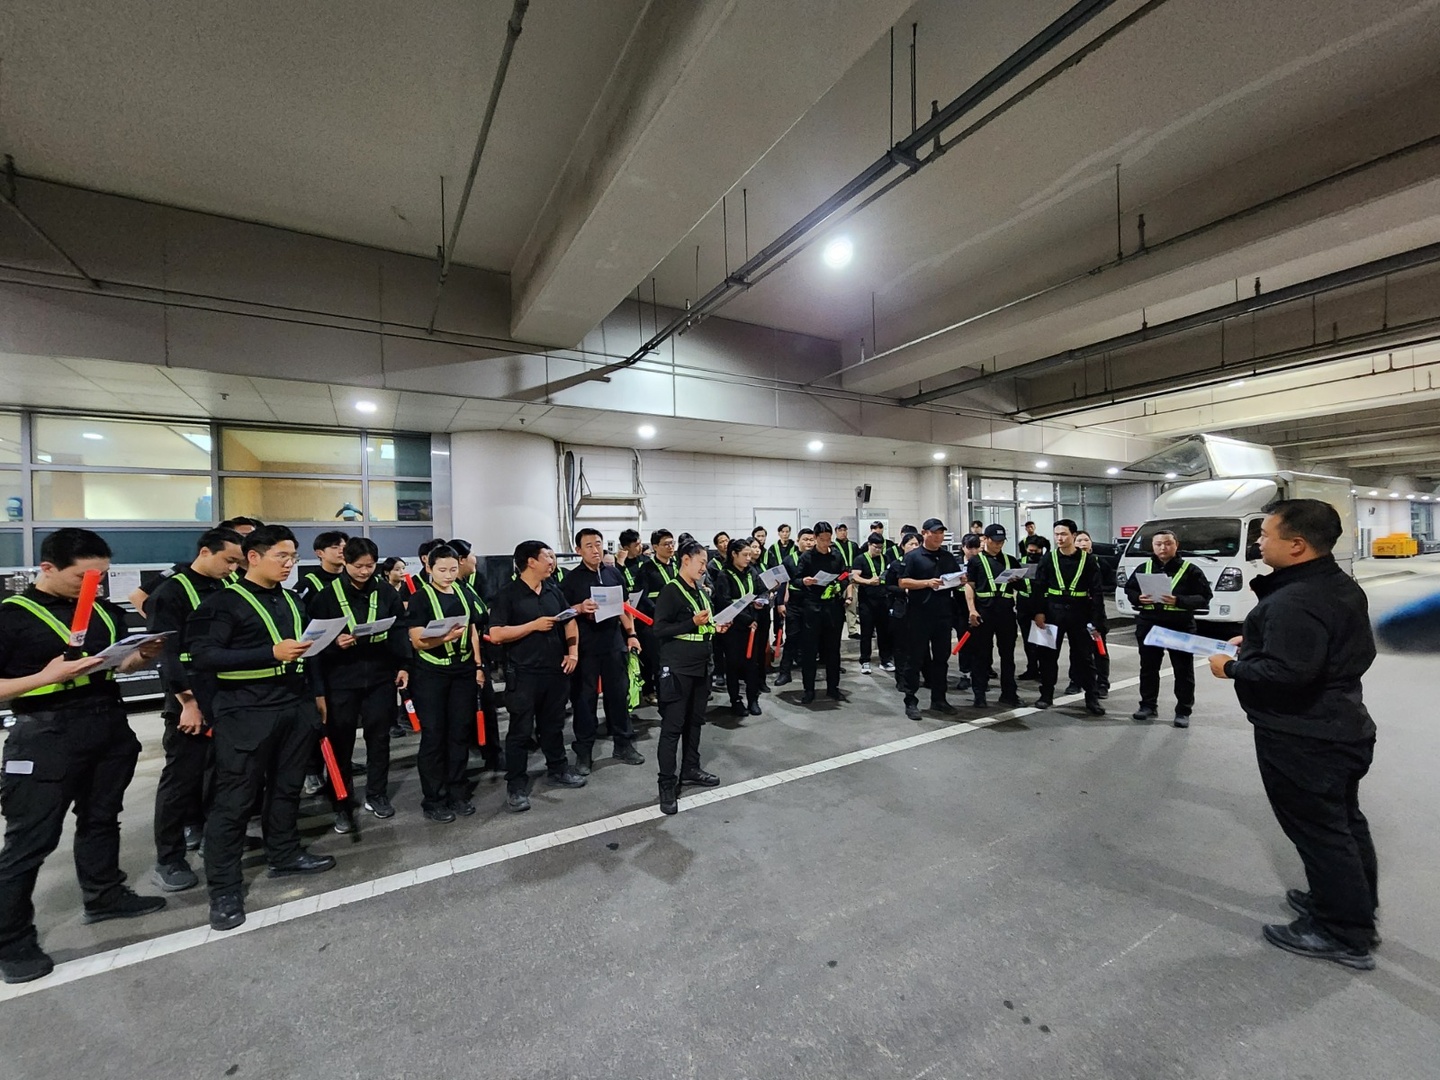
1300,126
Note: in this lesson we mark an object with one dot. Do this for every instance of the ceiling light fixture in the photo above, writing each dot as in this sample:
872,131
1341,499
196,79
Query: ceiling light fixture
646,431
1042,464
1373,493
92,435
816,446
1113,470
1394,494
1171,475
1237,382
838,253
366,406
938,455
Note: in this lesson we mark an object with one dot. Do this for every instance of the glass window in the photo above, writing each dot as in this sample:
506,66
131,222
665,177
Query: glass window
1035,492
78,496
1097,494
400,501
143,545
1069,493
10,439
282,500
997,490
13,496
1097,523
254,450
1218,537
68,440
12,547
398,455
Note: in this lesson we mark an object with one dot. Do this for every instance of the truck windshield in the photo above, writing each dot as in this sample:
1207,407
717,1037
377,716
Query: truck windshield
1217,538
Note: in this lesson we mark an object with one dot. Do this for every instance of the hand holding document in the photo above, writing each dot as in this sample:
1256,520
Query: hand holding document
609,601
368,629
1015,573
125,648
726,616
824,578
1154,586
1162,637
566,615
1045,636
321,632
775,577
952,581
438,628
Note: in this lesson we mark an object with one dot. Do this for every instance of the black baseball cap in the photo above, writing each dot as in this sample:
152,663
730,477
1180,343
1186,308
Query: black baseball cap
931,524
822,527
995,532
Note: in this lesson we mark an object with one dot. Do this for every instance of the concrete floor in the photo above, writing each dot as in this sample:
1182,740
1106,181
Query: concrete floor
1049,896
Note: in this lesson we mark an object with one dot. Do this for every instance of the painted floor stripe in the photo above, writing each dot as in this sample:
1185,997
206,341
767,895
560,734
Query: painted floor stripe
169,944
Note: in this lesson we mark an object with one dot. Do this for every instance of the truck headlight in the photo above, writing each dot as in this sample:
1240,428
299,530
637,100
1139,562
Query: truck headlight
1230,580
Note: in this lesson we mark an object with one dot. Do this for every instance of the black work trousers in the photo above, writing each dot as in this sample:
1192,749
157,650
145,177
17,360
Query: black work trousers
83,755
821,630
927,646
1099,664
258,752
600,675
180,793
682,712
794,637
535,701
1314,788
445,703
997,629
489,703
739,667
1071,626
875,623
649,656
1024,619
369,709
1182,663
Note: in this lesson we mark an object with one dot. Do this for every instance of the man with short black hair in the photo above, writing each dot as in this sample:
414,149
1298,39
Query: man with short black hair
822,610
1304,650
929,615
868,573
657,572
330,550
1066,584
990,604
1028,605
1174,610
71,745
792,613
783,548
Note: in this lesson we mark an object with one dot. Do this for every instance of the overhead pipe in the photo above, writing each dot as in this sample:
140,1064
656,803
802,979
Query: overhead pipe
1355,275
905,154
447,253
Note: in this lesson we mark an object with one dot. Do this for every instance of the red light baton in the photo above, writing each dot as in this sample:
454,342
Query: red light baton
639,615
410,584
480,726
960,644
333,768
750,645
1095,637
80,625
410,712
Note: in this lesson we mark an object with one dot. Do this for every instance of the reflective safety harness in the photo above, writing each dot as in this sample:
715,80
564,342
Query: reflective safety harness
698,603
742,585
278,670
194,598
994,589
451,650
350,620
870,562
847,551
64,631
1073,590
314,579
1174,584
667,578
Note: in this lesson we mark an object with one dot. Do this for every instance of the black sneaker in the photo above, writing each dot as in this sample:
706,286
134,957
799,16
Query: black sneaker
26,965
669,803
980,702
1301,904
834,693
1070,688
380,806
227,911
194,834
1093,706
754,709
568,778
737,707
126,905
584,765
627,755
441,814
399,731
517,802
700,778
962,683
1028,675
304,863
765,688
1304,938
344,821
1043,703
1013,700
174,877
943,707
807,697
912,710
782,679
460,807
1145,713
1182,719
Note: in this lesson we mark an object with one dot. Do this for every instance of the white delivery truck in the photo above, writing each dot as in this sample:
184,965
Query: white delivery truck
1217,524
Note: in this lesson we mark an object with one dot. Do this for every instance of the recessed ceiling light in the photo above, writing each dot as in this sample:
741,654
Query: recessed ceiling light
1113,470
92,435
838,253
646,431
1424,498
366,406
1410,497
1237,382
1171,475
938,455
1352,491
1373,493
1394,494
816,446
1042,464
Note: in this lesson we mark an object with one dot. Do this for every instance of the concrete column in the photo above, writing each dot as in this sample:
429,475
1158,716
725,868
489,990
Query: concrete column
504,489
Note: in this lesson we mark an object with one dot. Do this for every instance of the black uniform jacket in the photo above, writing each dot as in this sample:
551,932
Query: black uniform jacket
226,634
675,615
1192,593
169,609
27,645
375,658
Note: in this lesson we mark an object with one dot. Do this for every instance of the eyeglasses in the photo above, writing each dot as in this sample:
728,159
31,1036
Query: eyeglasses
286,560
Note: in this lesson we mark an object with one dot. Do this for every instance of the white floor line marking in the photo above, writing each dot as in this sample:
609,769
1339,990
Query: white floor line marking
179,941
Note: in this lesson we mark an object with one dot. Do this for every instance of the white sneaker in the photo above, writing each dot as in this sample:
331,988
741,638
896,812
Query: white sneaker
887,666
864,669
312,785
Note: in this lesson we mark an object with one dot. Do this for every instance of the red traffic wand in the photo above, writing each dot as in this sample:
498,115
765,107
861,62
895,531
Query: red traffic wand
960,644
412,714
80,625
480,726
1095,637
333,768
646,619
750,644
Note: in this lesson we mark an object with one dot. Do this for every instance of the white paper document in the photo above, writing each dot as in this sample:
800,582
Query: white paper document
321,632
1015,573
1045,636
726,616
126,647
610,601
121,583
366,629
775,577
1153,585
566,615
438,628
634,597
1163,638
952,581
824,578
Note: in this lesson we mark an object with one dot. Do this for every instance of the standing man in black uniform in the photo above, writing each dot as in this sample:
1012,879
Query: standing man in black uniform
540,655
603,646
822,608
1028,605
782,549
929,617
267,717
1068,582
1304,650
1175,610
71,745
897,605
656,573
849,552
180,794
867,572
790,611
330,550
991,617
965,657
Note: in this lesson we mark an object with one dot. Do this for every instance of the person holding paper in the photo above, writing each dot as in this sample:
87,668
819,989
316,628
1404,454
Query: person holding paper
744,643
1098,659
71,745
180,793
683,627
1171,604
1304,650
819,594
360,672
1067,583
268,715
541,651
990,609
443,679
656,572
849,552
1028,605
929,616
601,665
789,610
867,571
488,701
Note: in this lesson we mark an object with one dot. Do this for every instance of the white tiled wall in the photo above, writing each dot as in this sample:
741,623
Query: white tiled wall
702,493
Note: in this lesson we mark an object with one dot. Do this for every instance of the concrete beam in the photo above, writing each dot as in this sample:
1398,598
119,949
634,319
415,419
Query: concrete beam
702,91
